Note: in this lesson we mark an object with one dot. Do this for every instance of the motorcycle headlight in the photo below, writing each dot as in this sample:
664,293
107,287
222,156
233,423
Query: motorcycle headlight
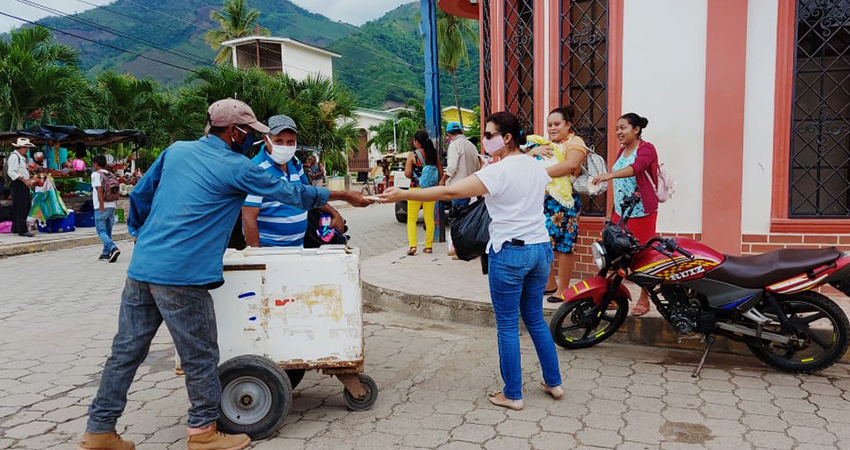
599,255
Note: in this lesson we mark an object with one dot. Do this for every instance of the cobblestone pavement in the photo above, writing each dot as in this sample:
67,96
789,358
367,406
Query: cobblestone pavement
375,230
59,312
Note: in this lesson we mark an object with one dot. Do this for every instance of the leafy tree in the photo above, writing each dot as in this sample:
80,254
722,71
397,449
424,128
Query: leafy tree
452,34
36,74
407,123
236,20
125,101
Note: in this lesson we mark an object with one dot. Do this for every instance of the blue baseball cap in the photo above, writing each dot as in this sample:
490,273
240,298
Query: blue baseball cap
453,126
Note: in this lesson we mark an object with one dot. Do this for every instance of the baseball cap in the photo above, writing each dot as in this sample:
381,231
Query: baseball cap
281,122
229,111
453,126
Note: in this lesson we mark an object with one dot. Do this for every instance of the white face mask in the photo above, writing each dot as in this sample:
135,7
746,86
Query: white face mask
281,154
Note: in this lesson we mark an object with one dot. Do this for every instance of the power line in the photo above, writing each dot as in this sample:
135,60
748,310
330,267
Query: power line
99,43
192,57
166,14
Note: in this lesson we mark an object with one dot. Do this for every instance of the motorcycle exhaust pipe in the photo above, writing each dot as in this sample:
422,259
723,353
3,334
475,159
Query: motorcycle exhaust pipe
754,333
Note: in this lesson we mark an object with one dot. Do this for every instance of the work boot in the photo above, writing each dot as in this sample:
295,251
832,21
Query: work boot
105,441
216,440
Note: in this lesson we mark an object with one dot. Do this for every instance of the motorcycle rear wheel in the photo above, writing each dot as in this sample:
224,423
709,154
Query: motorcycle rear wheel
572,325
806,308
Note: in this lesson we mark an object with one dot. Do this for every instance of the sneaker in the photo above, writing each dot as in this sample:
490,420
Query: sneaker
27,234
216,440
103,258
105,441
113,255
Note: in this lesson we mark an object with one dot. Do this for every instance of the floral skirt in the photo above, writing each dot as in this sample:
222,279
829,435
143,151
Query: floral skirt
562,223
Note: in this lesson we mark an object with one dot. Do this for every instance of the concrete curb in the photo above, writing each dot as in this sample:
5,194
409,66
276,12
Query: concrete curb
58,244
649,331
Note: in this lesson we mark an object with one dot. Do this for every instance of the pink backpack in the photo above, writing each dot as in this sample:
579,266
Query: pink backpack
664,190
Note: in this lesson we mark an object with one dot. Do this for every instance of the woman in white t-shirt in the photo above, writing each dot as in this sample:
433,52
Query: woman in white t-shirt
519,250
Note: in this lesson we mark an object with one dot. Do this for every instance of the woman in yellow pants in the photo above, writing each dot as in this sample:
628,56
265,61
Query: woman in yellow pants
424,155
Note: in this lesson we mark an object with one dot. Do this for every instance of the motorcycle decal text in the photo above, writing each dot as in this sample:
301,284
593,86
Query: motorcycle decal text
686,274
686,270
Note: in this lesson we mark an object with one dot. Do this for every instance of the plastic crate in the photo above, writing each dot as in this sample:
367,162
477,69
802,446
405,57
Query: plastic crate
84,219
64,225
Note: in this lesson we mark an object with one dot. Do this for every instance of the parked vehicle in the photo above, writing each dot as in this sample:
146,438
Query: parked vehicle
766,301
398,179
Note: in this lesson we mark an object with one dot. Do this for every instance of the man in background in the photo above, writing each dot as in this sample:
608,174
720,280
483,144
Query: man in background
16,168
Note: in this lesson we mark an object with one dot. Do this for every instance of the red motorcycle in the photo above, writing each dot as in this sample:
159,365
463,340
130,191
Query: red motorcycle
765,301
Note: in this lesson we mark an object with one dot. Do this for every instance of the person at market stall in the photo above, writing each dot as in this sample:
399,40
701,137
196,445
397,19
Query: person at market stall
104,212
16,168
267,223
181,213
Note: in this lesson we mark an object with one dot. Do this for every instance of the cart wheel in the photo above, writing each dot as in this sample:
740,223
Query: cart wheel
295,377
365,403
255,398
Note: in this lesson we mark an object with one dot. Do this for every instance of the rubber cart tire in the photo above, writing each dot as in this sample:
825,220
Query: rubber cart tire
365,403
256,396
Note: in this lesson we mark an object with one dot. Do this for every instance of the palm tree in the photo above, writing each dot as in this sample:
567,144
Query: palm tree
125,101
36,73
400,130
452,34
236,21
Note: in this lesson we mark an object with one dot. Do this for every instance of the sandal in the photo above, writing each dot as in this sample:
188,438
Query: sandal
553,299
429,250
550,291
412,251
640,309
556,392
515,405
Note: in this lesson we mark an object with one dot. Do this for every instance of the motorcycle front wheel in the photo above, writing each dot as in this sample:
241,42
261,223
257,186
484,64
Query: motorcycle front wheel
574,326
822,335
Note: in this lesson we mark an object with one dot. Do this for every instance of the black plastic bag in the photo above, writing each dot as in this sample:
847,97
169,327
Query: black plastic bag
470,233
312,237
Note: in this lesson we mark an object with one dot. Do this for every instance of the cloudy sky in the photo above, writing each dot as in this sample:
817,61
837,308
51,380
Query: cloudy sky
351,11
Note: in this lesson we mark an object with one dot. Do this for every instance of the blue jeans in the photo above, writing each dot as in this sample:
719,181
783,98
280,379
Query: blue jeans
190,317
103,224
518,277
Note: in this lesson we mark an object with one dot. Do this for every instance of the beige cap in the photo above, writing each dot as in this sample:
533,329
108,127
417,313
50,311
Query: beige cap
23,142
229,111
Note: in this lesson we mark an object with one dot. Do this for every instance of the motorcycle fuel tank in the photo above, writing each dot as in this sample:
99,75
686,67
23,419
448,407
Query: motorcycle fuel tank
650,263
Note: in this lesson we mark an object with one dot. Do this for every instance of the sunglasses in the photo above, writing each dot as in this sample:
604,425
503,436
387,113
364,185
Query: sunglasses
488,135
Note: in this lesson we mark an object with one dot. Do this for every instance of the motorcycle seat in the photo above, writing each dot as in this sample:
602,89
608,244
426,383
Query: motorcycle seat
760,271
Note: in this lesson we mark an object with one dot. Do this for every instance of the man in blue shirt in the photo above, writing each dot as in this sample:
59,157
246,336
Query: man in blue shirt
182,213
269,223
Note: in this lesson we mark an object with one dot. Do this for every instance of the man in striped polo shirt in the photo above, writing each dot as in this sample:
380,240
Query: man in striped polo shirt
269,223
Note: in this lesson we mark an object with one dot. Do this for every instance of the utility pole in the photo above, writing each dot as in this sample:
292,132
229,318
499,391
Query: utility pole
433,114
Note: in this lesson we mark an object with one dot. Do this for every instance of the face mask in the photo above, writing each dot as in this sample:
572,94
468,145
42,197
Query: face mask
245,147
494,144
281,154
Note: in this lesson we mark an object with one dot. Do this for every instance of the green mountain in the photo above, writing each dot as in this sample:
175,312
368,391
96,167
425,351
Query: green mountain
381,61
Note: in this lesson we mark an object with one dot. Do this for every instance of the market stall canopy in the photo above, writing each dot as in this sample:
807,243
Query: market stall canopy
66,134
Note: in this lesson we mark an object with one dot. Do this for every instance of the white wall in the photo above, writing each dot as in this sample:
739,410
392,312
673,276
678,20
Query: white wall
301,63
664,46
758,116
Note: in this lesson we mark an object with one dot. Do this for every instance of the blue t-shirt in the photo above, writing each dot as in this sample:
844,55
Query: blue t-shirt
624,187
280,225
183,210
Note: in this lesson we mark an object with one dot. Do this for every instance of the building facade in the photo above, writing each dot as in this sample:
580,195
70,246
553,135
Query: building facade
747,103
275,55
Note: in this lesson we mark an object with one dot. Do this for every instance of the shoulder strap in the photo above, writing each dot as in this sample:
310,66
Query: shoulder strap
419,155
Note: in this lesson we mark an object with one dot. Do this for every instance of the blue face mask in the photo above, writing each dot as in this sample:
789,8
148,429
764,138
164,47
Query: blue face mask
245,148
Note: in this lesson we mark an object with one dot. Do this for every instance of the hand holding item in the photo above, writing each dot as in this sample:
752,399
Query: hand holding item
599,179
543,151
392,195
357,199
338,223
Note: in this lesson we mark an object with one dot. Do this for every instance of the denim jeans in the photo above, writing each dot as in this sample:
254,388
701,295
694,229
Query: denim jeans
460,202
103,224
518,277
190,317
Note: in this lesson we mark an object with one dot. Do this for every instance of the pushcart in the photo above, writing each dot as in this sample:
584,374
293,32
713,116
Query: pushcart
280,313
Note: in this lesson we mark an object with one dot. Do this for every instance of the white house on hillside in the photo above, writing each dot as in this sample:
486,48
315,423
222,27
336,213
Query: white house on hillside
276,55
